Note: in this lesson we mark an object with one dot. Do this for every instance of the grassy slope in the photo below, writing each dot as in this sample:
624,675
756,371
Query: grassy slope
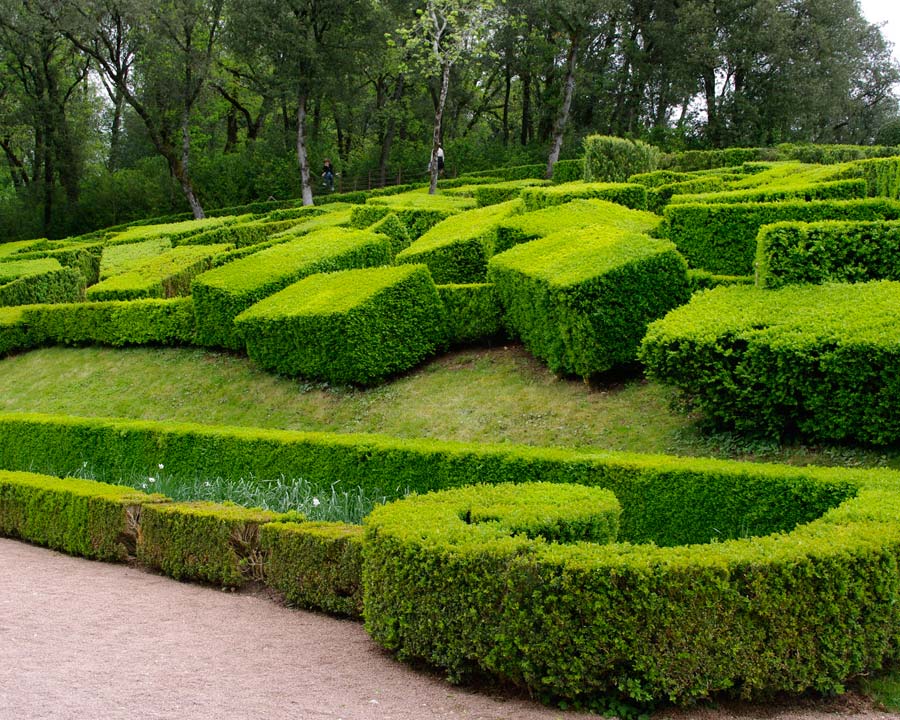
496,395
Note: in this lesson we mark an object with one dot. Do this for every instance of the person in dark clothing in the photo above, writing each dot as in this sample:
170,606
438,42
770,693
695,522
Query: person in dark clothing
328,175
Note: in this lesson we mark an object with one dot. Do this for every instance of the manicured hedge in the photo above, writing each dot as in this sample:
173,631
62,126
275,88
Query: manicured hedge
573,215
418,211
55,286
14,269
315,565
166,275
394,229
203,541
721,238
882,176
658,178
658,197
819,361
117,323
691,160
703,280
806,607
173,231
84,257
788,253
222,294
117,259
14,333
834,190
472,313
80,517
630,195
503,191
457,249
239,234
353,326
568,171
516,172
613,159
581,300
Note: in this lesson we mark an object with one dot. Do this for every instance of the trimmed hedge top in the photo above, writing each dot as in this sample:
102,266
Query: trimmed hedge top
173,231
14,269
471,224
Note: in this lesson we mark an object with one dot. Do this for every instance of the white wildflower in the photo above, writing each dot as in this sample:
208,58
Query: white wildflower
316,502
161,466
152,479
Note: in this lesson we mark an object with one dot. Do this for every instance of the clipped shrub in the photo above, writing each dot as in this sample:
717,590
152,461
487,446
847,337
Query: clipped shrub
658,178
568,171
79,517
502,192
457,249
222,294
703,280
173,231
612,159
353,326
14,333
115,322
834,190
315,565
692,160
394,228
881,175
721,237
818,361
658,197
472,313
117,259
417,210
62,285
630,195
166,275
581,300
204,541
84,257
515,172
788,253
14,269
240,234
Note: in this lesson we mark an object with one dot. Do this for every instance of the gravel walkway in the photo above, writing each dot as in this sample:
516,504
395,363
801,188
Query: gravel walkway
81,639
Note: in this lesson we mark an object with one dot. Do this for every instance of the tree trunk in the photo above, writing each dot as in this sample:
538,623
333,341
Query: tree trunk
17,168
507,91
526,133
712,116
559,128
438,118
184,176
302,158
389,131
115,132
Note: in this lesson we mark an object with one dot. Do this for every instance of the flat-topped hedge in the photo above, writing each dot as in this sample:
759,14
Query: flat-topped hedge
222,294
581,300
116,259
13,269
457,249
630,195
819,361
472,314
174,231
721,237
830,251
352,326
60,285
834,190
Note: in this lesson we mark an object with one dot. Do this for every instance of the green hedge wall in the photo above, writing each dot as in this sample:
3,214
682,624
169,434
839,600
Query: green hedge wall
174,231
395,230
660,196
117,259
222,294
658,178
501,192
457,249
630,195
581,300
14,269
79,517
166,275
821,362
703,280
568,171
472,313
789,253
240,234
353,326
613,159
56,286
14,333
721,238
804,608
692,160
315,565
203,541
834,190
84,257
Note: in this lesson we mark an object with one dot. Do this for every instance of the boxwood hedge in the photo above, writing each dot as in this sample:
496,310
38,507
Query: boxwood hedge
353,326
63,285
472,313
834,190
821,361
630,195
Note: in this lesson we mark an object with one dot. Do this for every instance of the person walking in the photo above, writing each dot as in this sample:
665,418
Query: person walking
328,175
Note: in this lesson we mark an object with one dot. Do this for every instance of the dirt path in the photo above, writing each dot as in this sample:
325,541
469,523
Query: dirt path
81,639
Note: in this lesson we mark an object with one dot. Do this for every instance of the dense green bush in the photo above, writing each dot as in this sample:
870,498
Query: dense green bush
13,269
80,517
882,176
830,251
692,160
117,323
174,231
703,280
166,275
721,238
818,361
203,541
14,333
834,190
55,286
568,171
612,159
658,197
239,234
472,313
516,172
658,178
581,300
353,326
315,565
393,227
117,259
222,294
457,249
631,196
501,192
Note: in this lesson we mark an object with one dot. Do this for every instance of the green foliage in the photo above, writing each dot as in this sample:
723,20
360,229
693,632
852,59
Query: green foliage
822,252
703,280
658,197
818,361
721,237
13,269
472,313
568,171
516,172
240,234
353,326
631,196
581,300
501,192
395,229
172,231
315,565
658,178
612,159
120,258
203,541
117,323
882,176
79,517
166,275
55,286
222,294
835,190
457,249
691,160
14,333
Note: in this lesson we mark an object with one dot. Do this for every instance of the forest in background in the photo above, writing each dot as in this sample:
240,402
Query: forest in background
116,110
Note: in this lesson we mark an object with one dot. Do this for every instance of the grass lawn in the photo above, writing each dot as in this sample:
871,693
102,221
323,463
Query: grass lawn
495,395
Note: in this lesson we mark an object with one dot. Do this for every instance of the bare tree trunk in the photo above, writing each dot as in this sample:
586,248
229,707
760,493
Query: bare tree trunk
16,167
184,177
526,133
438,118
302,158
559,128
507,91
389,131
115,132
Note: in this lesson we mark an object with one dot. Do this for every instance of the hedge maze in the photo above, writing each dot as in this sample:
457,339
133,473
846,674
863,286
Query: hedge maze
766,292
